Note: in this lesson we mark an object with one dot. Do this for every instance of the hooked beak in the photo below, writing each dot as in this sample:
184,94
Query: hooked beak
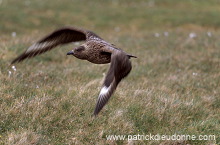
70,53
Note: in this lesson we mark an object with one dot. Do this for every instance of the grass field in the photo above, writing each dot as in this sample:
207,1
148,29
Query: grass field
174,87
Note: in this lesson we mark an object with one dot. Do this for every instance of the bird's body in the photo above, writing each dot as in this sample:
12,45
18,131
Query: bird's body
95,50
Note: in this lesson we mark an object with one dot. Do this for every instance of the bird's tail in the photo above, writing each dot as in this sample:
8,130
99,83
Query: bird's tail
129,55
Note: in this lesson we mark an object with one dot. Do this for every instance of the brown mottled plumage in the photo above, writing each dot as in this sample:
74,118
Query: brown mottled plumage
95,50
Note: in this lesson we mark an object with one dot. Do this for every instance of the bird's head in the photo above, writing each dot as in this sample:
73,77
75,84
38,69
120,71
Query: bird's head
78,52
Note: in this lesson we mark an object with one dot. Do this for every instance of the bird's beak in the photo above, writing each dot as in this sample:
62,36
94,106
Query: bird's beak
70,53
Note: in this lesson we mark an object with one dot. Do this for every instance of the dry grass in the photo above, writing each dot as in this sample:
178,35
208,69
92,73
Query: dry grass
173,87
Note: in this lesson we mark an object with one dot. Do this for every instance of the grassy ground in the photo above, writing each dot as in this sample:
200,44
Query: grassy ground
174,87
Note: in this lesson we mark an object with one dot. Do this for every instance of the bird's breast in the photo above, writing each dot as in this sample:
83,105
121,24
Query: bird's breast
96,53
98,57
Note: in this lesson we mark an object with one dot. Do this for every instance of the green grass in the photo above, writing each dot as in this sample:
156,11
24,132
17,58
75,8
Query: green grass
174,87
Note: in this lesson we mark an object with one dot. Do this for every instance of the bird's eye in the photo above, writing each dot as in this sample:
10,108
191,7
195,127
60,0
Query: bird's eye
81,48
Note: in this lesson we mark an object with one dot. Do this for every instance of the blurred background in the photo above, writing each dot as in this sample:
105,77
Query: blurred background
173,87
27,16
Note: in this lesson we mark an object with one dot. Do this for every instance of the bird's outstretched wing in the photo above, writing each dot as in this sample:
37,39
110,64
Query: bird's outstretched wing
119,68
59,37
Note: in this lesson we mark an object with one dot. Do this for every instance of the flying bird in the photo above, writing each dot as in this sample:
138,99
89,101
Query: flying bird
95,50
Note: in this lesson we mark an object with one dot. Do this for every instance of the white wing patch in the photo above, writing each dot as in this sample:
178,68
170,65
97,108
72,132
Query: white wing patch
104,91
